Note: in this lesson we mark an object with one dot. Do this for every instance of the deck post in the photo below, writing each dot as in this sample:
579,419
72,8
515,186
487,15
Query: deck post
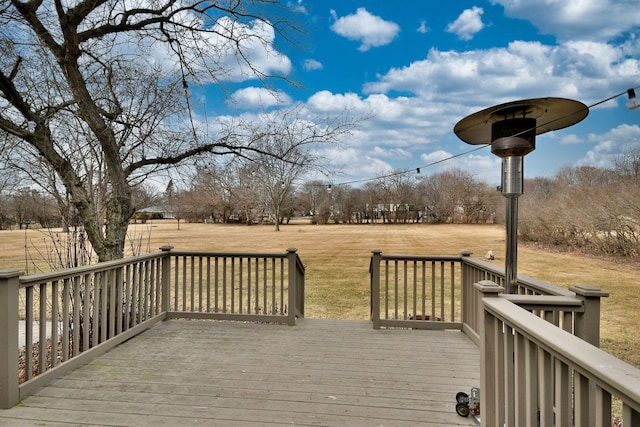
293,285
466,287
166,278
375,287
490,401
9,286
587,323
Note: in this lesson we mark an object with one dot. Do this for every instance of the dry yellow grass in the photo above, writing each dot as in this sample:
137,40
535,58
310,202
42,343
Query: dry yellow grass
337,260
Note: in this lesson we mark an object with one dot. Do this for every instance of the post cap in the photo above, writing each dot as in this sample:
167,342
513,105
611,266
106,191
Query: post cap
9,274
586,290
488,287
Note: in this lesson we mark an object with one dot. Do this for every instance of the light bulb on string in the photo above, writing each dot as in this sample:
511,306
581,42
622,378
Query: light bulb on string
633,102
185,87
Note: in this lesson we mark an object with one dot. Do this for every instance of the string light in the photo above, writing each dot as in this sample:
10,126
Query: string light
632,103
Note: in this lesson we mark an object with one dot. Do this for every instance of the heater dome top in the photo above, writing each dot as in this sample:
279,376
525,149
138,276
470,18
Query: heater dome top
550,114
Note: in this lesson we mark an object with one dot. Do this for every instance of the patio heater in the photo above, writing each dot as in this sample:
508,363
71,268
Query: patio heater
511,130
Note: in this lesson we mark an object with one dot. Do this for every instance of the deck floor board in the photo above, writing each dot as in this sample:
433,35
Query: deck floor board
319,372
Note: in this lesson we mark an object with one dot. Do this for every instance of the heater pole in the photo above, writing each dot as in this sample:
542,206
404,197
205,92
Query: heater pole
512,187
511,262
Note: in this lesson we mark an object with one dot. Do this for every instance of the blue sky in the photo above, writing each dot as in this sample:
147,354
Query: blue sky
420,66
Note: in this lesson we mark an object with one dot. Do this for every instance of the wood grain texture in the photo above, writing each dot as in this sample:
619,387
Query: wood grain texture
218,373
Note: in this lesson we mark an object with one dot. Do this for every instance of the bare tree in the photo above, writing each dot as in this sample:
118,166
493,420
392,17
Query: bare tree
288,149
9,181
76,86
628,163
590,209
313,197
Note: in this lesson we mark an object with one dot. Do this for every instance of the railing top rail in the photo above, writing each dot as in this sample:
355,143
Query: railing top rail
531,283
610,373
34,279
543,302
421,257
228,254
544,287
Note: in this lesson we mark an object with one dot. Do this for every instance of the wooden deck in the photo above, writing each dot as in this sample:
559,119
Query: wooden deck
319,372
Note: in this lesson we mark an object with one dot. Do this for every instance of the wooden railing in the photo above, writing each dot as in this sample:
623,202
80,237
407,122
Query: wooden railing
436,292
540,361
240,286
415,291
534,373
576,310
72,316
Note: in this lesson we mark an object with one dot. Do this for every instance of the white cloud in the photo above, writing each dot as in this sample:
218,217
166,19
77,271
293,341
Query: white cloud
468,24
325,101
370,30
610,146
423,29
390,153
354,164
482,167
217,51
258,97
298,7
446,86
256,45
312,64
571,140
598,20
476,78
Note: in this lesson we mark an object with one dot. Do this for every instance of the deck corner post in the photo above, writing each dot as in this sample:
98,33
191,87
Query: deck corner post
9,287
376,256
466,287
166,277
489,368
293,285
587,323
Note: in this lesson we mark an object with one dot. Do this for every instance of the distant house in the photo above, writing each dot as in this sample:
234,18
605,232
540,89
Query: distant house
153,212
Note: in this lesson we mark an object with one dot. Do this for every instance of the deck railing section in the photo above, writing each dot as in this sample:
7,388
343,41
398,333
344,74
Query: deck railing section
240,286
68,315
534,373
437,292
540,364
411,291
576,310
74,315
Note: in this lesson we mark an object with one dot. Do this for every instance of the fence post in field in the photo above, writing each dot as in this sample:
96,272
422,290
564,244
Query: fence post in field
489,360
375,287
166,278
9,286
587,325
293,285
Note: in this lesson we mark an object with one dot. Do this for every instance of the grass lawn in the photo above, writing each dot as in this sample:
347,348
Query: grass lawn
337,261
